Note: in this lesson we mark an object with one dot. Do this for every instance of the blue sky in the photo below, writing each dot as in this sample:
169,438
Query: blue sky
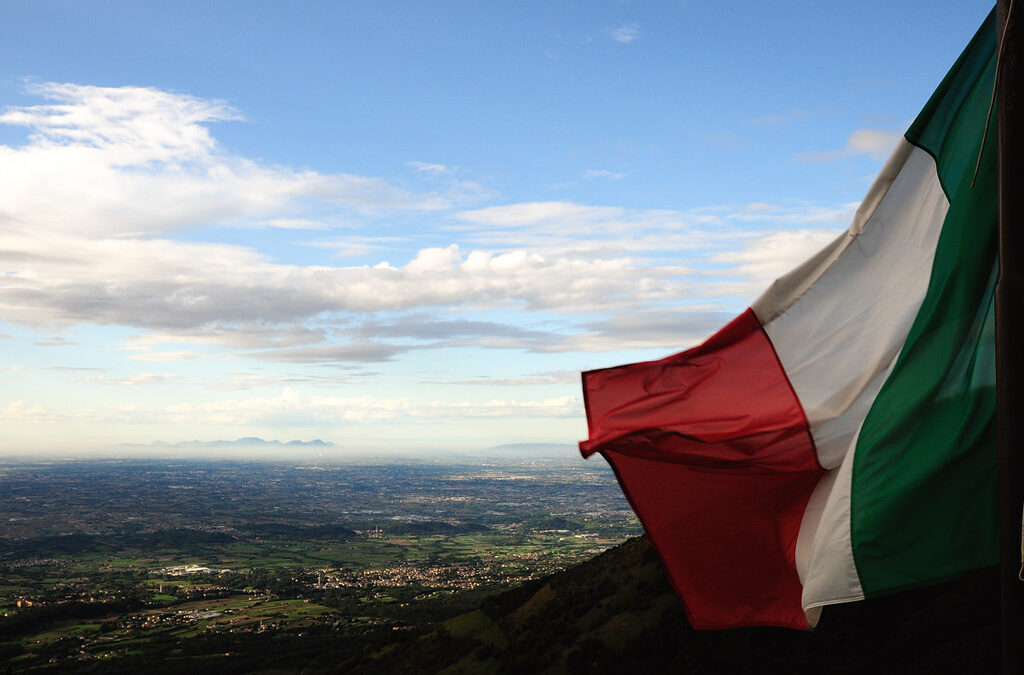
408,226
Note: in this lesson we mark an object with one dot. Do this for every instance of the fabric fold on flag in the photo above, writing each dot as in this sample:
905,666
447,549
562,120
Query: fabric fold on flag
835,441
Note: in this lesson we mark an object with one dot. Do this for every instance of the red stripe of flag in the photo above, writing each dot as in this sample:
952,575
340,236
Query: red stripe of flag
712,448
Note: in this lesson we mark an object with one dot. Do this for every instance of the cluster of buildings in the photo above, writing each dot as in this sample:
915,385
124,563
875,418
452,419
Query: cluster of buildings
185,570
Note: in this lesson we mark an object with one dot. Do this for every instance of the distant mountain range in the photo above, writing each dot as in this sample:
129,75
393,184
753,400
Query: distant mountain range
247,442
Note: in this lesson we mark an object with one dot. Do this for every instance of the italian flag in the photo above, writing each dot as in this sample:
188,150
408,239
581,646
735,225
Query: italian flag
836,441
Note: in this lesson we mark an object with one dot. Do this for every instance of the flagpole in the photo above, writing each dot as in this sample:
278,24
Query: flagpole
1010,337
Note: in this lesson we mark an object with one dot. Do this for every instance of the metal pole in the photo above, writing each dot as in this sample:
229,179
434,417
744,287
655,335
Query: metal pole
1010,337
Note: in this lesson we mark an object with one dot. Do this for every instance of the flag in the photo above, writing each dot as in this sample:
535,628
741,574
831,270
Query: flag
836,441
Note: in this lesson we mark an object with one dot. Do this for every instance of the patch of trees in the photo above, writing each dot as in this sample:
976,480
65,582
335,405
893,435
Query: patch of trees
288,531
38,617
427,527
547,522
176,538
288,582
56,544
72,544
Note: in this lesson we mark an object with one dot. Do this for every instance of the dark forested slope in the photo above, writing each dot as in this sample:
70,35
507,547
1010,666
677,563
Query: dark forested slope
617,613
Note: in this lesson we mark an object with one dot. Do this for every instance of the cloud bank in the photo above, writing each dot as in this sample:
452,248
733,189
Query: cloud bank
94,203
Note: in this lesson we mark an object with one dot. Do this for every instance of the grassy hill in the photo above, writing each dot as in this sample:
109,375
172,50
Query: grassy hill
617,613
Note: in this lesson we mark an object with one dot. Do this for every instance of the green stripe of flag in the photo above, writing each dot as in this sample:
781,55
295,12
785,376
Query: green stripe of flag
947,127
923,502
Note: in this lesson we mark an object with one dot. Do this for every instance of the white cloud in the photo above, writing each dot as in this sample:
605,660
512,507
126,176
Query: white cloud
159,357
161,284
586,232
424,326
245,381
548,378
662,328
145,378
876,144
358,245
430,168
55,341
603,173
243,335
290,224
534,213
625,33
120,160
352,352
135,125
768,257
292,407
21,411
